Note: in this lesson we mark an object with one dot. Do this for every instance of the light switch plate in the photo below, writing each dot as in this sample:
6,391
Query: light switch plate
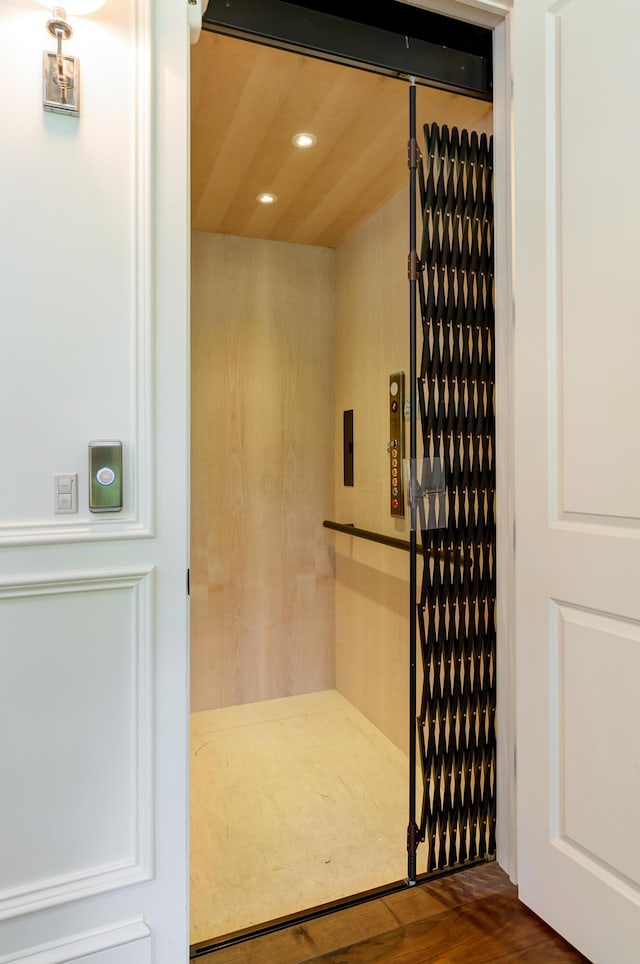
65,493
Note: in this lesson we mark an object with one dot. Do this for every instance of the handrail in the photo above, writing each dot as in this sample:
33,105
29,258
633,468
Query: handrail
351,530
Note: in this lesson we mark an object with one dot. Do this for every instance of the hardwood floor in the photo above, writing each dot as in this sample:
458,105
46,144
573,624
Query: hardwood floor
467,918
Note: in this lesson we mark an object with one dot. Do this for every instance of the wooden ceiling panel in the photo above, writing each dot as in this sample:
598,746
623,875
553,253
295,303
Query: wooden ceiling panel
247,102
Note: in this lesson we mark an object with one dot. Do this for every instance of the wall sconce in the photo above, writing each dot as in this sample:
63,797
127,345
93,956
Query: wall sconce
60,72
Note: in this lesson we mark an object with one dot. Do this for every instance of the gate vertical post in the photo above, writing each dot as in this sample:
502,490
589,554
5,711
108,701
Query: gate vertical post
412,829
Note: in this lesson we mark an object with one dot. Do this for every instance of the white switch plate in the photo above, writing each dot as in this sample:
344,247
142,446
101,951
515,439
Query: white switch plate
65,493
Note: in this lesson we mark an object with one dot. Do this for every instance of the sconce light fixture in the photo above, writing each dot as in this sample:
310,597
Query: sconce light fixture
61,73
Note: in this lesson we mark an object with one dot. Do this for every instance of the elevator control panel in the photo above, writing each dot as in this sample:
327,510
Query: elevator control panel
396,443
105,475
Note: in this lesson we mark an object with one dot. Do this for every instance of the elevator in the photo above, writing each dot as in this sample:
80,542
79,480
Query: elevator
300,659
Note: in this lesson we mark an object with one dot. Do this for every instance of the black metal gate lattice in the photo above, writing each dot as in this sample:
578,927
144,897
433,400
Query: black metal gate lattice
456,600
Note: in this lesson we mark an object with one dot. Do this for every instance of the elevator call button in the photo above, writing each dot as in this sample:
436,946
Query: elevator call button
105,475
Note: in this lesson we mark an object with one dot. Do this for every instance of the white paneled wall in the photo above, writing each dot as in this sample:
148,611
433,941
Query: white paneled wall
75,273
82,648
93,608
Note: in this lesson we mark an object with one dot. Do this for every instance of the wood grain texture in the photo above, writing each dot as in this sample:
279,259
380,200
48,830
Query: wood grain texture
469,918
489,929
262,612
372,587
247,102
294,802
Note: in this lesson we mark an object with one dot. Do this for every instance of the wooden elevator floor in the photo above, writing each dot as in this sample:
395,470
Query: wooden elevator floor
294,802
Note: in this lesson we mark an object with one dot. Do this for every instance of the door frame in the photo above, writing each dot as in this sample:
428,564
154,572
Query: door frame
496,15
505,446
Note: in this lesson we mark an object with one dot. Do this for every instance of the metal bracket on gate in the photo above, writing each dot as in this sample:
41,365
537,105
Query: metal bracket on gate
425,486
414,154
414,266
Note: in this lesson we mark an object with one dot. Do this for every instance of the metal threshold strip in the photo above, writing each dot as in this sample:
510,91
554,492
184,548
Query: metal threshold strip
322,910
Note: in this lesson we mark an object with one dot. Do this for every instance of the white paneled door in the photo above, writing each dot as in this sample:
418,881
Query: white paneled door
577,207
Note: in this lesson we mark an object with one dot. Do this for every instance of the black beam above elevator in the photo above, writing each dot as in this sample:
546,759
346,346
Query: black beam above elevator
386,37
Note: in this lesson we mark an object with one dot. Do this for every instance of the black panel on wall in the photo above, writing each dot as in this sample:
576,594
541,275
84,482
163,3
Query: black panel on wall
347,446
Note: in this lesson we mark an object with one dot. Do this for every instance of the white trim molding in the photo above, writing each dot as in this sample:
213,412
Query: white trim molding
482,13
88,942
43,532
505,449
137,866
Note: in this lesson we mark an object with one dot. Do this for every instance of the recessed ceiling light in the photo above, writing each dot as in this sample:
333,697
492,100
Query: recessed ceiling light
267,198
303,140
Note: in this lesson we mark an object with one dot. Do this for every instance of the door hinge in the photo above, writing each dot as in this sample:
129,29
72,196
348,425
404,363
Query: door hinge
414,265
413,152
188,582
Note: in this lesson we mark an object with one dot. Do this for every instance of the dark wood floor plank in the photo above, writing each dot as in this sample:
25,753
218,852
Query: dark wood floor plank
469,918
548,952
441,938
482,931
425,900
416,903
313,939
326,934
479,881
